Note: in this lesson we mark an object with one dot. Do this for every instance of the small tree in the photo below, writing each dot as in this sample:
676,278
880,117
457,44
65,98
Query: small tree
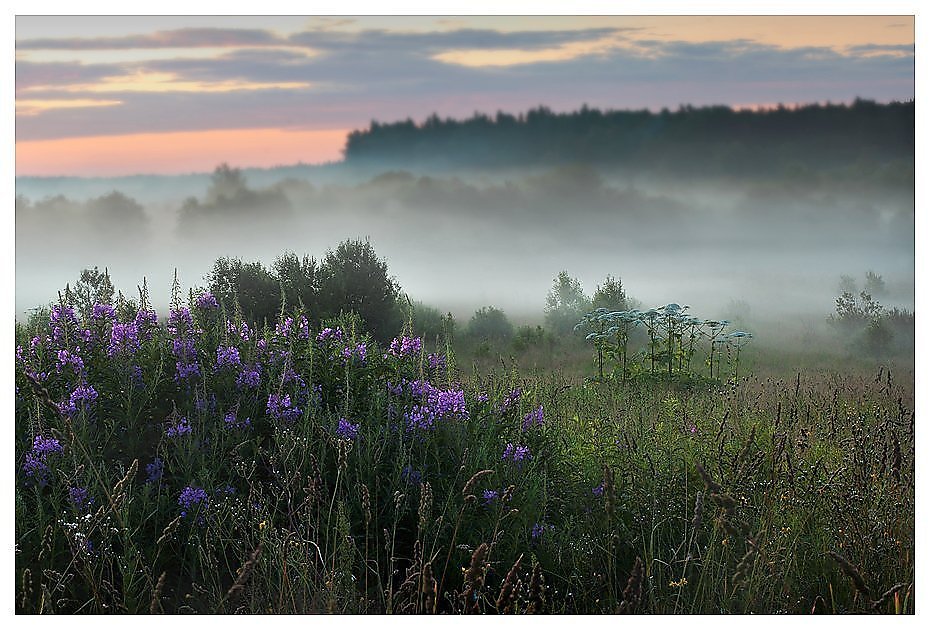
298,280
248,285
565,304
93,287
353,278
490,324
610,295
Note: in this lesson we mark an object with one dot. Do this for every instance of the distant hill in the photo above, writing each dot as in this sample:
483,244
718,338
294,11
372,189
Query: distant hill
698,140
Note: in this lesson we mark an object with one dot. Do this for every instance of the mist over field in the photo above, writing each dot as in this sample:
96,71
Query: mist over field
460,234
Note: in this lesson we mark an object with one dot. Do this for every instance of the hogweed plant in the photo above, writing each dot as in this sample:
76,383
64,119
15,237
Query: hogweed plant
674,337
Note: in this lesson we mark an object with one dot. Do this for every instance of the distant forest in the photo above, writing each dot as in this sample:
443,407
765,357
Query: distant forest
848,139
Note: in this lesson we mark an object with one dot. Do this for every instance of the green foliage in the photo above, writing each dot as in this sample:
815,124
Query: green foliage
610,295
565,304
735,499
490,324
248,287
428,321
354,278
93,287
793,143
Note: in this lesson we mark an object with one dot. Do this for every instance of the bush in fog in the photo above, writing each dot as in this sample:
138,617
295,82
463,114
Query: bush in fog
610,295
528,337
490,324
354,278
428,321
299,280
565,304
246,286
93,287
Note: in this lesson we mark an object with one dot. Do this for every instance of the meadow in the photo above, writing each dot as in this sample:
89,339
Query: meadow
201,463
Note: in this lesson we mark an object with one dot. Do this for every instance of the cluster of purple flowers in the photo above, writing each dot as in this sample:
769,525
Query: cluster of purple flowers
283,329
155,471
406,346
80,498
227,356
539,529
346,430
80,398
66,357
598,491
510,401
103,311
232,422
181,328
35,467
62,321
533,418
360,351
303,327
516,453
280,408
242,331
490,497
123,338
194,500
250,377
330,334
436,363
206,301
433,404
182,427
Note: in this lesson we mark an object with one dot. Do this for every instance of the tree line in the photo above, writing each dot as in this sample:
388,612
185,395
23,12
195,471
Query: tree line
699,139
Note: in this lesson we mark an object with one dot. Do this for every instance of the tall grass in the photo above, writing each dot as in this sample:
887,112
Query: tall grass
314,471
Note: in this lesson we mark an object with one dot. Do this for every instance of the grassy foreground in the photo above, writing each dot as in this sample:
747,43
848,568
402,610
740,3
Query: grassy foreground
206,466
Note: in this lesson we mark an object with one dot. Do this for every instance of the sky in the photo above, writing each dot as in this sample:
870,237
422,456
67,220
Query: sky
105,96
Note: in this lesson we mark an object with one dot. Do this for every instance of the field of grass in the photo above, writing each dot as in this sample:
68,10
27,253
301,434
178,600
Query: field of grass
201,465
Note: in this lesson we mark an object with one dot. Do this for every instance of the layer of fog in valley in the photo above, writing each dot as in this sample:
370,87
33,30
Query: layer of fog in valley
460,240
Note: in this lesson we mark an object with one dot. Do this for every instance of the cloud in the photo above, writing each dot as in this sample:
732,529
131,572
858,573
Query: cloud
179,38
337,79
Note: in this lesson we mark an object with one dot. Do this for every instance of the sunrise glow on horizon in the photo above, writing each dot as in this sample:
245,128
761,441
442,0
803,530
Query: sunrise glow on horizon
106,96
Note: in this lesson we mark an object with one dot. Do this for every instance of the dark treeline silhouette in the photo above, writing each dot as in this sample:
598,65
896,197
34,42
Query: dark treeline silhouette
691,139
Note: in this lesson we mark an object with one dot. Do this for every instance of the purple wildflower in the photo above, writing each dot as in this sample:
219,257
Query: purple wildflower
539,529
490,496
512,399
327,334
346,430
155,470
516,453
406,346
437,362
80,498
283,329
533,418
227,356
123,338
598,491
304,327
66,357
207,302
186,370
249,377
280,408
36,470
193,500
182,427
145,321
103,311
232,422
